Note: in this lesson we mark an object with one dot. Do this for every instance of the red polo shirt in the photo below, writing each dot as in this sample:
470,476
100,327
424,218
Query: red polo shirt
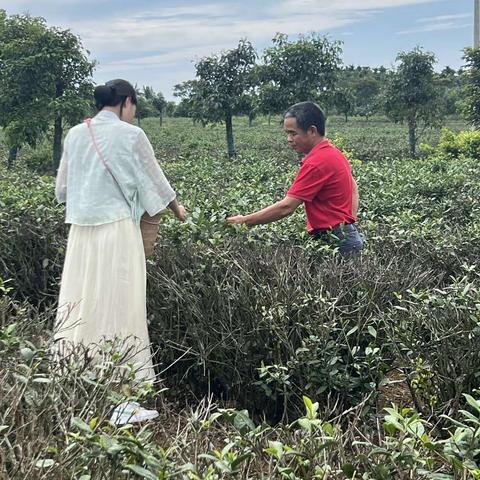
324,183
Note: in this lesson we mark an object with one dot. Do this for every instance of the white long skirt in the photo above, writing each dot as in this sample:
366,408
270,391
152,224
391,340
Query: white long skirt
103,291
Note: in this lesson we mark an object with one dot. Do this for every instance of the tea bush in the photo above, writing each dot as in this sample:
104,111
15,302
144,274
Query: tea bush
465,144
258,318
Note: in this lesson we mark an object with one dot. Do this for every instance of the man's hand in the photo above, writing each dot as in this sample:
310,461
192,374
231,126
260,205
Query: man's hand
236,220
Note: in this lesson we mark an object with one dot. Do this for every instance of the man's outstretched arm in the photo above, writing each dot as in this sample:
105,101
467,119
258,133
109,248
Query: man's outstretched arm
270,214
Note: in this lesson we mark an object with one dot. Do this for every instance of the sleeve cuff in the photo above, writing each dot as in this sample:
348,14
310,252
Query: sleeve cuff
299,197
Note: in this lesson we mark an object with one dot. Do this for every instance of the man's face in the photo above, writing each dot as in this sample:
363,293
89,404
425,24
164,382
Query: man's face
300,140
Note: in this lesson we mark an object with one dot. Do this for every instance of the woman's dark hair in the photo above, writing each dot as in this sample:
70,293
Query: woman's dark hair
113,93
307,114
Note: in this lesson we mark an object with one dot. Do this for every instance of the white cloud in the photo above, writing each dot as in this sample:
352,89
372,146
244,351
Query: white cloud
186,37
439,23
445,18
185,32
348,5
158,41
21,6
204,10
436,27
165,39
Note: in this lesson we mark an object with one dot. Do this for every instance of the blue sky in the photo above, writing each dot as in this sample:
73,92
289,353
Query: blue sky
156,42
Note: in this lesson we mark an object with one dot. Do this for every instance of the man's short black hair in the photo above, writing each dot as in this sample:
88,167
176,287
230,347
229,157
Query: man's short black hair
307,114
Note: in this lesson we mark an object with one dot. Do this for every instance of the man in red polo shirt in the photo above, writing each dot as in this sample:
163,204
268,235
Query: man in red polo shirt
324,183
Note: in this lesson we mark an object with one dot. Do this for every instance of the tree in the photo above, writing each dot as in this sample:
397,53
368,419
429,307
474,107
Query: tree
221,87
344,101
183,109
191,104
148,93
69,75
45,77
367,94
23,100
412,95
170,109
451,84
269,101
363,87
157,102
144,108
295,71
471,102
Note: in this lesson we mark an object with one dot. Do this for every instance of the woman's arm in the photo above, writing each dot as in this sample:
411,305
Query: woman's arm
155,191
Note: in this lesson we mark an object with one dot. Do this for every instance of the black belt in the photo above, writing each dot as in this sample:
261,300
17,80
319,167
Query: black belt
341,227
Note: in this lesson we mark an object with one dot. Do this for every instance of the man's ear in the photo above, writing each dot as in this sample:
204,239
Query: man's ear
312,129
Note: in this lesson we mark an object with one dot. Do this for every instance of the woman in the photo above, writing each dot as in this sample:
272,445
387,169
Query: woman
109,177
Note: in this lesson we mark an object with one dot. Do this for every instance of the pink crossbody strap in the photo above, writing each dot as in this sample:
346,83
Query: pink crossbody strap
88,122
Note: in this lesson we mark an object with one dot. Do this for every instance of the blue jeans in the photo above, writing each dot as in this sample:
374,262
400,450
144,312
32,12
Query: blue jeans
346,237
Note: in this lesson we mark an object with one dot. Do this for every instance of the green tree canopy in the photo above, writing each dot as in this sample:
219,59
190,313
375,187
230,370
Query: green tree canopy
471,102
367,85
45,77
170,109
295,71
156,100
450,82
23,99
159,105
412,95
221,88
68,73
344,101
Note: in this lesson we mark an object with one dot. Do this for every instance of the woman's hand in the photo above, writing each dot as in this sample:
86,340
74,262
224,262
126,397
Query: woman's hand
178,210
181,213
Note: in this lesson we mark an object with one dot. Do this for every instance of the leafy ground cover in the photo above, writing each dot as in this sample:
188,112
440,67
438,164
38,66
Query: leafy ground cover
249,325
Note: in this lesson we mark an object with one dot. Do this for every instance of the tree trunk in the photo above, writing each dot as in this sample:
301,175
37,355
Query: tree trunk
57,143
161,119
412,137
139,121
12,156
346,117
269,119
229,131
250,120
58,130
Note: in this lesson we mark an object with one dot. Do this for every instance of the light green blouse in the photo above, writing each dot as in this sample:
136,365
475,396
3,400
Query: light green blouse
91,194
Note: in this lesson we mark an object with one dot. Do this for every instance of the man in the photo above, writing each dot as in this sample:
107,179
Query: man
324,183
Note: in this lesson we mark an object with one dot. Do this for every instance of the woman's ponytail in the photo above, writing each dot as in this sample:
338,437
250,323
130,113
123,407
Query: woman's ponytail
113,93
104,96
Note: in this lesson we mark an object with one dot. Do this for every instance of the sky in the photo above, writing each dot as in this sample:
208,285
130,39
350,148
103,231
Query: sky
156,43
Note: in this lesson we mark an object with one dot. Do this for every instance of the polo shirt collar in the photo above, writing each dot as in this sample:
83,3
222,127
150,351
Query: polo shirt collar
323,144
